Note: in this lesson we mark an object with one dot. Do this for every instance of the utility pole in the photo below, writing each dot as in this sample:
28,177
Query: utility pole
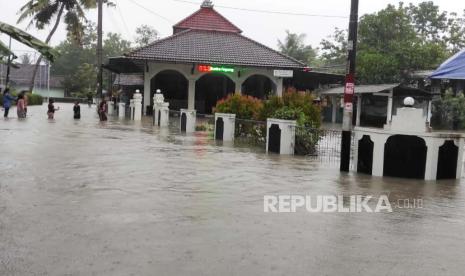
7,80
99,50
349,88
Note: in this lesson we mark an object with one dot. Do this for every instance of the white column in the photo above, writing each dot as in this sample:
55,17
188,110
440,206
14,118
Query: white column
279,87
334,109
429,111
121,110
191,95
238,84
191,116
164,115
359,109
137,106
229,125
431,159
287,128
146,91
389,110
460,144
111,107
378,154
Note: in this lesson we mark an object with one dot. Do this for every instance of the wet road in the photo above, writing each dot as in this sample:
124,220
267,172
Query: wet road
85,198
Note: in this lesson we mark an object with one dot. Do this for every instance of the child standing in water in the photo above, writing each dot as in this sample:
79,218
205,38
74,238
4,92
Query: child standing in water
7,99
51,109
77,110
21,107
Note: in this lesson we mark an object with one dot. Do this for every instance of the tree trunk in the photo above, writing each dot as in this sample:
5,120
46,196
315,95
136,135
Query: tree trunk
36,67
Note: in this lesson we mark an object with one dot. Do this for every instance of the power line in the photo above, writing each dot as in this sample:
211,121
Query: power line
151,11
122,18
269,12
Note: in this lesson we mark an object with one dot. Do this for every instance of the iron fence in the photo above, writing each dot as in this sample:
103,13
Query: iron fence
205,122
250,132
323,145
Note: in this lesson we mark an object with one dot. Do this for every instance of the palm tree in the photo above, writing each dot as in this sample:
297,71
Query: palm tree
43,12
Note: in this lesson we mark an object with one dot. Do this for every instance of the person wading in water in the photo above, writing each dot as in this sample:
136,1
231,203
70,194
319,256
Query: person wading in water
102,110
7,99
51,109
21,106
77,110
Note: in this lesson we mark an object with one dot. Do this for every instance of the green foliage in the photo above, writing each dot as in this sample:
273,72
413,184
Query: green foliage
300,107
34,99
44,12
306,140
304,103
83,81
395,41
77,62
291,106
294,46
449,111
145,35
290,113
245,107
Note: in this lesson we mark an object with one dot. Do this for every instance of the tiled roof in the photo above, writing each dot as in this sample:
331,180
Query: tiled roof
213,47
206,19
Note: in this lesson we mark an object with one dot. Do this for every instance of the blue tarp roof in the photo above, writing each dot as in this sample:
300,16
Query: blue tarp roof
453,68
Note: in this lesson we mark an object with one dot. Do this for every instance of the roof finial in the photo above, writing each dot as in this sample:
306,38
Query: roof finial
207,4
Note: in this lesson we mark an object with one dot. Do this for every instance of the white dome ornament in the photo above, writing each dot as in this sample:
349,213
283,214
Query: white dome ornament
409,102
159,98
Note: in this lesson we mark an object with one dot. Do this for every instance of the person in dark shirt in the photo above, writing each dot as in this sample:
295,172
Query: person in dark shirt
102,110
77,110
51,109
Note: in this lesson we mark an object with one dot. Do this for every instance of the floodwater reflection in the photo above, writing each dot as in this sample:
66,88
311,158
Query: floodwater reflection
121,198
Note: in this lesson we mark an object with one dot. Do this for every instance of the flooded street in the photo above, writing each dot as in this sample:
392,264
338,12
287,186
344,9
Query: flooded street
121,198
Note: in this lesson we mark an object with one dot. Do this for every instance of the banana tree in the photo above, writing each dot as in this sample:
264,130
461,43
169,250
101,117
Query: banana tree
26,39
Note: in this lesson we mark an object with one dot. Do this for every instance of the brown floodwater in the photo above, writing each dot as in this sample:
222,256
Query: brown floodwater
124,198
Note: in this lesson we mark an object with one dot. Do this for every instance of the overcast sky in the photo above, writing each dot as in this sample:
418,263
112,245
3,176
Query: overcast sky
263,27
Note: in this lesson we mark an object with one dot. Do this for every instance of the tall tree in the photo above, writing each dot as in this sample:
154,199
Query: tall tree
145,35
294,46
334,51
77,62
455,36
43,12
395,41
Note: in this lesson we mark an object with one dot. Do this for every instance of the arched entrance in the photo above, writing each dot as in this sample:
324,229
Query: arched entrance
274,139
365,155
209,89
174,87
405,156
219,130
258,86
447,161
